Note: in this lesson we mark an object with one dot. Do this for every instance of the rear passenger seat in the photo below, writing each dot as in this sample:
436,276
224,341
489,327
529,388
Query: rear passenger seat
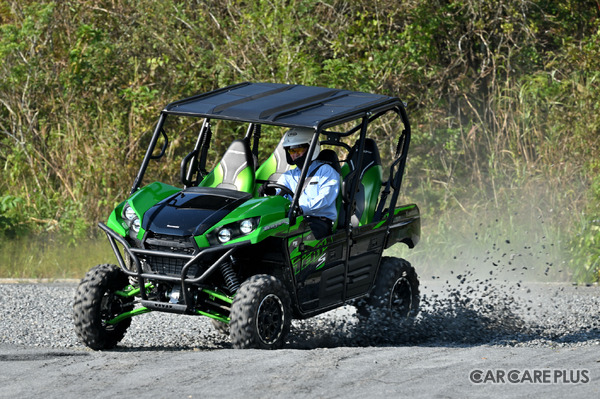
369,186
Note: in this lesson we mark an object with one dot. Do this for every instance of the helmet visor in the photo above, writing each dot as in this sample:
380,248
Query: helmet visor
297,150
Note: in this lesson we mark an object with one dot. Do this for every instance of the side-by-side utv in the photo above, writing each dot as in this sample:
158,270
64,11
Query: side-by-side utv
212,244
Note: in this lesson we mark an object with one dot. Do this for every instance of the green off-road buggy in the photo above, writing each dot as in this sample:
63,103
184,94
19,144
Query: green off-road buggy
211,244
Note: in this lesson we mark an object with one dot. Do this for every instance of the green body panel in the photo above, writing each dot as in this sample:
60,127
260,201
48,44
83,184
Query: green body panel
202,241
143,199
272,212
116,222
400,210
269,208
146,197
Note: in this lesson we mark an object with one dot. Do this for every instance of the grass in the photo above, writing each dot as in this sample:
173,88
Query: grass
52,257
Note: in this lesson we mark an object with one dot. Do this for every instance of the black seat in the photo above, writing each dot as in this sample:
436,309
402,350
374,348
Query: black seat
368,188
330,158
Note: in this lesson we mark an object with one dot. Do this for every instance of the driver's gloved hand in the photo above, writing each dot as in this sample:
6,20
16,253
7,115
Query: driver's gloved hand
263,190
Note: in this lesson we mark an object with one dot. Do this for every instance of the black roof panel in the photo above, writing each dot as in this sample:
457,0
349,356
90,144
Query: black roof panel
281,104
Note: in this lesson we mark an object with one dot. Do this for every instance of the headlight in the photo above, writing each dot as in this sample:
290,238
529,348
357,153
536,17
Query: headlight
129,213
131,218
247,226
233,231
135,224
224,235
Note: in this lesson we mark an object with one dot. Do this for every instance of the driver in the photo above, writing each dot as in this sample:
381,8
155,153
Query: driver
318,198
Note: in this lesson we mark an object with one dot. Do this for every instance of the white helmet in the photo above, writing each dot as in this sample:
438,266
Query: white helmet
300,137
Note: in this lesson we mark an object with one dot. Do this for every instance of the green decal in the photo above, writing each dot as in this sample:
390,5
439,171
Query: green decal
316,256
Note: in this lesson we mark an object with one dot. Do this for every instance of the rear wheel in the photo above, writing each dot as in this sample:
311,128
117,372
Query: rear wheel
396,290
96,303
260,314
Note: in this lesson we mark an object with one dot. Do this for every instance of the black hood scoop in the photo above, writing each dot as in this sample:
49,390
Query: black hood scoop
192,211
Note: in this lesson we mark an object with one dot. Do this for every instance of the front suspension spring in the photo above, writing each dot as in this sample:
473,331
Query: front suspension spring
231,278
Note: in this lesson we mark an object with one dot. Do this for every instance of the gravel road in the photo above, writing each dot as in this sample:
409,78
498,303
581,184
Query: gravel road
474,337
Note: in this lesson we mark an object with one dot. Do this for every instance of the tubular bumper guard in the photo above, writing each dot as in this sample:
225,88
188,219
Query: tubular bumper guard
185,282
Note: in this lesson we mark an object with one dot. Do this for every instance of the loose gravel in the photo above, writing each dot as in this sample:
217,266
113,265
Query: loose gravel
465,312
479,300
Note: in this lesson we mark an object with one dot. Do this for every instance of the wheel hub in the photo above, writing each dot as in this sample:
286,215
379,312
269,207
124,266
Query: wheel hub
269,319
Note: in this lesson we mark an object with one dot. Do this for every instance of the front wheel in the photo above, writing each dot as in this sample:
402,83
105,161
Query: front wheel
96,303
396,290
260,314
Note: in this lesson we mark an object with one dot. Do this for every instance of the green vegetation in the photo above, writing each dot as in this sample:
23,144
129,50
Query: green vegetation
52,257
503,96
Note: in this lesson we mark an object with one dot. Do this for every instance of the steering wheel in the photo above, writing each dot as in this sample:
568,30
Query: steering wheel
284,190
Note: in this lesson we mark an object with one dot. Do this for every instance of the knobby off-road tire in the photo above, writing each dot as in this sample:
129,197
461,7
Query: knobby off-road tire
95,303
395,293
260,314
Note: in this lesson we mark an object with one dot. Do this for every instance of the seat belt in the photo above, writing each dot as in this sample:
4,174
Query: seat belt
310,176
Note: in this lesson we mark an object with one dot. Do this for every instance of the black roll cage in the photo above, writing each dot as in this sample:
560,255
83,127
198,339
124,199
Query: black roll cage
366,113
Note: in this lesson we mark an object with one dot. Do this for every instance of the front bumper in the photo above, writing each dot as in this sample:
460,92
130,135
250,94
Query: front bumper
137,271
